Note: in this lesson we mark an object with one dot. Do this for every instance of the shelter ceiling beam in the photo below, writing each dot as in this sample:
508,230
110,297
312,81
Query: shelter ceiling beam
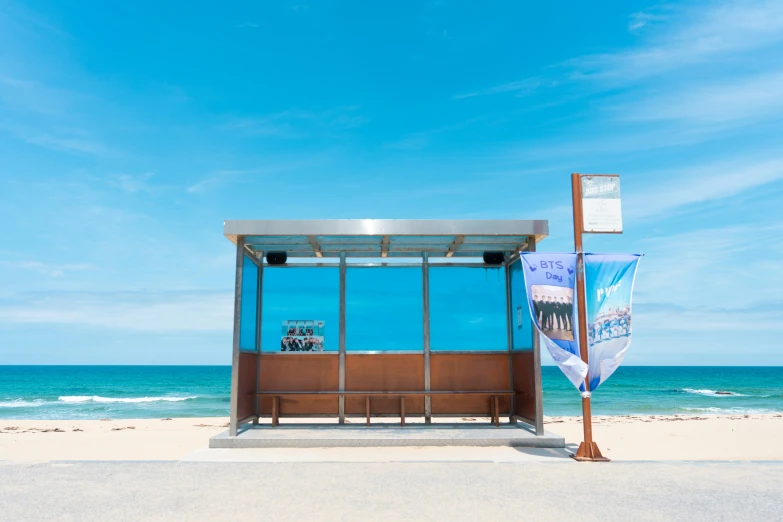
454,245
316,247
254,255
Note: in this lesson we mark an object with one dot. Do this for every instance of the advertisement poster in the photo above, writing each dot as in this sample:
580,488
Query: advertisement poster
609,280
601,209
302,336
550,281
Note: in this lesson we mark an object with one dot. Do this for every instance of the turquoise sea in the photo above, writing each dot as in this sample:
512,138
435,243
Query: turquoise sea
98,392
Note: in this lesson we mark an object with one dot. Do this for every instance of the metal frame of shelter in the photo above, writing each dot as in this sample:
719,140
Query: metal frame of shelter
333,383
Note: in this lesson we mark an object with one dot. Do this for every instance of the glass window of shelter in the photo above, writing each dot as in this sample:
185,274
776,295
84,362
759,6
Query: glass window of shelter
299,306
384,309
467,308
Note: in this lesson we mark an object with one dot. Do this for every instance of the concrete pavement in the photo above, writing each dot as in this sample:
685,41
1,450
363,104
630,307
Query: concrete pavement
446,490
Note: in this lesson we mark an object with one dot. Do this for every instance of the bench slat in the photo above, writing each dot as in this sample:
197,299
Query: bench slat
393,393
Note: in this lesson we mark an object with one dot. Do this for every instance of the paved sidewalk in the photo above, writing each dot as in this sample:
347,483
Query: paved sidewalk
557,490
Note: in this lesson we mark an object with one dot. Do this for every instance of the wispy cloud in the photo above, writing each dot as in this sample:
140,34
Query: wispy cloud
705,320
297,123
677,188
699,269
696,35
420,140
132,311
758,97
72,145
45,116
52,270
224,177
26,95
520,87
216,179
416,141
644,18
684,37
136,183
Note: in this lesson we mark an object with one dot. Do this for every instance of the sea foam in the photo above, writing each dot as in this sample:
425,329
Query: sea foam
97,398
20,403
713,393
730,411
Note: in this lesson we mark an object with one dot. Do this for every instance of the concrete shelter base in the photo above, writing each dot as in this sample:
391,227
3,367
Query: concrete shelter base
328,436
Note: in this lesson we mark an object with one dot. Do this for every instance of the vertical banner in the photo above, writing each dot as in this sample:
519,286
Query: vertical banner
550,282
609,282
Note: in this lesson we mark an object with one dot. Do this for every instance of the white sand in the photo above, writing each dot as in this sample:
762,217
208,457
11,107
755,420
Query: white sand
719,437
130,439
680,437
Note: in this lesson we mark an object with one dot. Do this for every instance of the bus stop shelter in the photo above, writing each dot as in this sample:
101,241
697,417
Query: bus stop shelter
410,322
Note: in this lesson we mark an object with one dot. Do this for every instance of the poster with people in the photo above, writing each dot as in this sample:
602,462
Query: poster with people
550,281
302,336
609,280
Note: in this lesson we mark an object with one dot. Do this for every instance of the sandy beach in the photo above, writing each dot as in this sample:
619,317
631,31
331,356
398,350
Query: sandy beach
631,437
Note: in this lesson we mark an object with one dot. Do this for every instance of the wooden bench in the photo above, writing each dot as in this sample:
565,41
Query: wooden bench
493,399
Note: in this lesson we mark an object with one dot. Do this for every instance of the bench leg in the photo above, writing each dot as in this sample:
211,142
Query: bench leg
491,410
497,411
275,409
367,407
402,411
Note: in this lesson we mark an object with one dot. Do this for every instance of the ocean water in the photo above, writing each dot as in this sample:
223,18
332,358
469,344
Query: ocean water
98,392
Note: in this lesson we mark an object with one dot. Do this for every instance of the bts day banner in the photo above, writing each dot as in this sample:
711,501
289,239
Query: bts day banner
550,282
609,280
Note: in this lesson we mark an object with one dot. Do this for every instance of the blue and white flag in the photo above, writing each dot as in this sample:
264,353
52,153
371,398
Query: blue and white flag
609,282
550,282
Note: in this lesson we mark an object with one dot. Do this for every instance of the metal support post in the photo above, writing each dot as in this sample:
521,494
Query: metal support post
259,316
341,355
233,425
425,277
510,334
537,384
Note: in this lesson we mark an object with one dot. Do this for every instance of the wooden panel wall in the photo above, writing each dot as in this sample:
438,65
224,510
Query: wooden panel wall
524,384
384,372
388,372
468,372
301,372
247,384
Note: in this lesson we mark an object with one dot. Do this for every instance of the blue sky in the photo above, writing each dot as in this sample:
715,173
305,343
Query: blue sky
130,130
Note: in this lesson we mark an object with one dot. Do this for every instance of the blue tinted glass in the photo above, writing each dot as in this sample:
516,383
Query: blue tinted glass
383,309
301,298
522,327
467,309
248,316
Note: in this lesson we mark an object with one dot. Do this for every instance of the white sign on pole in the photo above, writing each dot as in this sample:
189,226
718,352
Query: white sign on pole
601,209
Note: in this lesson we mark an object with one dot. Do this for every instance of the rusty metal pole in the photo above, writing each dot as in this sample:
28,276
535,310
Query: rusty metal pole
588,450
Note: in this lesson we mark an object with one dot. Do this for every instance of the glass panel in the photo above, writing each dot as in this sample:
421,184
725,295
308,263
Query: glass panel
467,309
300,309
522,327
248,316
384,309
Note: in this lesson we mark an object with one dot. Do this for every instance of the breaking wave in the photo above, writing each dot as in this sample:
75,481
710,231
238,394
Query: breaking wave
20,403
735,411
98,398
713,393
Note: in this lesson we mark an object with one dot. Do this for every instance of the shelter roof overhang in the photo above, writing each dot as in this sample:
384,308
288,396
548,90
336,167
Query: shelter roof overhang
368,238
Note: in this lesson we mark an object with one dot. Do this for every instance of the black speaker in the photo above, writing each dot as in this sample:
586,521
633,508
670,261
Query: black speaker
276,258
494,258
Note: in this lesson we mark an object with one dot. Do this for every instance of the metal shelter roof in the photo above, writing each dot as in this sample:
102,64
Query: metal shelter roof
385,237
